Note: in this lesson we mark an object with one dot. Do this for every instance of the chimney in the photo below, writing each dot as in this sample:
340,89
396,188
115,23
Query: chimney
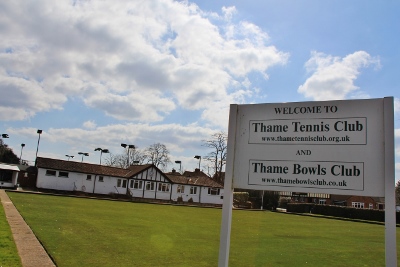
173,171
197,170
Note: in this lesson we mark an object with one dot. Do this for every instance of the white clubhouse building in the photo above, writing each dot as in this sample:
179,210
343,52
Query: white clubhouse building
138,181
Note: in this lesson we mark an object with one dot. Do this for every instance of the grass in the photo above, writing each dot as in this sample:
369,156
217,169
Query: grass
8,251
88,232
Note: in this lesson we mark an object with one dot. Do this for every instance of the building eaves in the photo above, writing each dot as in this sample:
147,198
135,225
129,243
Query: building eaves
193,180
73,166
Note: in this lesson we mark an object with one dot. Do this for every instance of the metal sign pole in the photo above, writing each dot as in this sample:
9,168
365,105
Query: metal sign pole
390,199
225,235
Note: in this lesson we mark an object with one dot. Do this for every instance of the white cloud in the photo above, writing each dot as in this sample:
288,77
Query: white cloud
229,12
177,138
134,60
333,78
89,125
397,105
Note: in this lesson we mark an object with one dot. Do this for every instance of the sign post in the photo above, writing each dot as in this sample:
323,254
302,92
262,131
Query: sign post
333,147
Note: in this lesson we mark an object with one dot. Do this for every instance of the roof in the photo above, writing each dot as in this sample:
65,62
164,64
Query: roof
196,173
5,166
73,166
193,180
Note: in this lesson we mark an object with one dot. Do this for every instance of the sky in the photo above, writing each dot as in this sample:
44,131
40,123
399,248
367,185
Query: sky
100,73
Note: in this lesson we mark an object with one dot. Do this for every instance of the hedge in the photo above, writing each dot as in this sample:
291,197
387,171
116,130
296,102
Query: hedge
340,211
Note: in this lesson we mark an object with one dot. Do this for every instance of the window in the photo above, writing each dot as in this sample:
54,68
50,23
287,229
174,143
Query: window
150,186
213,191
136,184
89,177
358,205
63,174
193,190
322,201
163,187
371,206
121,183
50,173
6,176
101,179
180,189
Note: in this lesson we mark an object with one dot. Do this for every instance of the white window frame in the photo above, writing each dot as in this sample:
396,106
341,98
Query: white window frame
136,184
63,174
322,201
213,191
150,186
358,205
163,187
180,189
50,173
371,206
101,178
193,190
121,183
88,177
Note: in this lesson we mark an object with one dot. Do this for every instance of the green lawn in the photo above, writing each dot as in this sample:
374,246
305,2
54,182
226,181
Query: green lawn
88,232
8,251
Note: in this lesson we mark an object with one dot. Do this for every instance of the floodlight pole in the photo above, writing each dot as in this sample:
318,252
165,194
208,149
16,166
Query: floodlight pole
37,148
180,165
199,158
20,156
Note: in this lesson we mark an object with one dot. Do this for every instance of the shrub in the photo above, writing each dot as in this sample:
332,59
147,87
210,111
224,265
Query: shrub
338,211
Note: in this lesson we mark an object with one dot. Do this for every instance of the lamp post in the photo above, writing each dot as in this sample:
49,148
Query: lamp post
20,156
39,132
199,158
101,152
4,136
83,154
180,165
68,156
127,148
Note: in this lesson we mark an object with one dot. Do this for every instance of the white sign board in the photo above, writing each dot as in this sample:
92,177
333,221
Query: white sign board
334,147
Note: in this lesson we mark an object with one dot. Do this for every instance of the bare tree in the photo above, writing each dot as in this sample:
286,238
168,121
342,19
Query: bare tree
398,192
218,144
136,157
158,154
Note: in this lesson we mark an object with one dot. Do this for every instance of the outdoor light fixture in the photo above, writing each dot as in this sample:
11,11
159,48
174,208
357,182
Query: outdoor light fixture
180,165
4,136
101,152
20,156
199,158
127,148
68,156
38,141
83,154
